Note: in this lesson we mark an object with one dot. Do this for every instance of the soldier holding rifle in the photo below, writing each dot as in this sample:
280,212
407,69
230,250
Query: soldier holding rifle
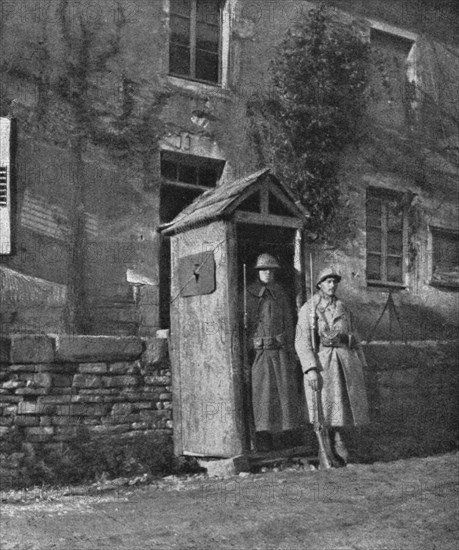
332,361
270,341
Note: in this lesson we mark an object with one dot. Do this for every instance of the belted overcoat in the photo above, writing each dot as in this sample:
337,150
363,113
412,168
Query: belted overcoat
276,389
338,358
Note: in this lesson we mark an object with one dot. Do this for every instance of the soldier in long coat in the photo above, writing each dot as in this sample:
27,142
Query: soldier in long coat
275,391
334,365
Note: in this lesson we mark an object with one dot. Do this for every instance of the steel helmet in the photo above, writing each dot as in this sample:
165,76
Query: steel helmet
266,261
326,273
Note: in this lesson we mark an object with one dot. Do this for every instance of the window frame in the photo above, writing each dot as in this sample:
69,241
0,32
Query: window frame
197,161
435,231
386,196
411,69
222,46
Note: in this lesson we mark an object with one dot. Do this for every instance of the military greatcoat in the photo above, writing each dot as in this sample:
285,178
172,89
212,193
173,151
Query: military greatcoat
339,359
275,386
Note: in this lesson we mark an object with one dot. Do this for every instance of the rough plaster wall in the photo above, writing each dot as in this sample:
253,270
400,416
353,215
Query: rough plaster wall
425,312
122,192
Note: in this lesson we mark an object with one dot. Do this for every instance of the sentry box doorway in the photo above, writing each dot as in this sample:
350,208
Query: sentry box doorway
211,240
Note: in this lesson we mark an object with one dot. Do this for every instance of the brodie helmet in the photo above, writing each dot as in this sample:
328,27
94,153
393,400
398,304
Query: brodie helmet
266,261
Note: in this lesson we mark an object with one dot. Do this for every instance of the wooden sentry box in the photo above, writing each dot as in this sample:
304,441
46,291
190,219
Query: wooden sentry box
211,240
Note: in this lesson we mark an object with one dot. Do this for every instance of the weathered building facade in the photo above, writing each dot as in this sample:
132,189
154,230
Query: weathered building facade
124,112
116,115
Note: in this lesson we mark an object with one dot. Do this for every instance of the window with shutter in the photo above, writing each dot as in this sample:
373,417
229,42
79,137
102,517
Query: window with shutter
195,39
5,186
386,237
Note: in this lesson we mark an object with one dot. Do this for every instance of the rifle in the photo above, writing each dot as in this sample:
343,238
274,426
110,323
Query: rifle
326,459
247,373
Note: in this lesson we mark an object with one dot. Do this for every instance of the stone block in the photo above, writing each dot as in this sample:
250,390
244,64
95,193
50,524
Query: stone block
27,420
32,391
93,368
98,391
120,381
139,425
226,467
9,399
44,420
87,381
57,368
144,405
13,384
67,420
122,409
54,399
157,380
165,396
28,407
78,349
124,367
122,419
81,409
7,420
43,379
31,348
156,351
39,433
65,391
10,410
62,380
4,430
109,428
87,399
153,416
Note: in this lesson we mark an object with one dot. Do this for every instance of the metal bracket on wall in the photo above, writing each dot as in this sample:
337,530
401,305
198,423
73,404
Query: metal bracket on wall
393,313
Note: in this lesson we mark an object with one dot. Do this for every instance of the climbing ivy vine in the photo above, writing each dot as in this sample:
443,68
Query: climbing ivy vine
319,76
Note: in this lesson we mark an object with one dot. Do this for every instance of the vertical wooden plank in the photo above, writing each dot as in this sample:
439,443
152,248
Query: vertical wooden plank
235,350
298,265
175,351
264,200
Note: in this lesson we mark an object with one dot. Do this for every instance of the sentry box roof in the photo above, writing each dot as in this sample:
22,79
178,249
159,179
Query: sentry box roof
258,198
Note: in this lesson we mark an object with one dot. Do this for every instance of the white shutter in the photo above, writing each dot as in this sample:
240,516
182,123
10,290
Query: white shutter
5,186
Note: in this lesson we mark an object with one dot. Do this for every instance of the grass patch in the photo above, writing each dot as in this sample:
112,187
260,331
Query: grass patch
87,458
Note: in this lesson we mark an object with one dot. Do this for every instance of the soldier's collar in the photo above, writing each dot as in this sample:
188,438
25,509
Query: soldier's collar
326,301
267,289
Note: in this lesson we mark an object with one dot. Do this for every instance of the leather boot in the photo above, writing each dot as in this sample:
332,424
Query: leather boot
339,448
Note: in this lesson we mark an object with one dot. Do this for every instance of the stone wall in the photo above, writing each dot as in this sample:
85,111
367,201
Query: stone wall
413,392
52,386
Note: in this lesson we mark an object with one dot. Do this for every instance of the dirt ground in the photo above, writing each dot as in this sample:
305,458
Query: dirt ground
407,504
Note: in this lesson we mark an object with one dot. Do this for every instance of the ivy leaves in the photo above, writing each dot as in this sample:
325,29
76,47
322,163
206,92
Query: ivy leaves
319,76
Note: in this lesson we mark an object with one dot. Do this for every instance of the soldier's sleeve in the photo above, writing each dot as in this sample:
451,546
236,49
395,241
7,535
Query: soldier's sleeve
303,340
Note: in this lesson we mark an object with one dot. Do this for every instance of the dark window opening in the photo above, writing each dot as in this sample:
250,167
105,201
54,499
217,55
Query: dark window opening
173,200
185,177
195,36
385,237
190,169
445,258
